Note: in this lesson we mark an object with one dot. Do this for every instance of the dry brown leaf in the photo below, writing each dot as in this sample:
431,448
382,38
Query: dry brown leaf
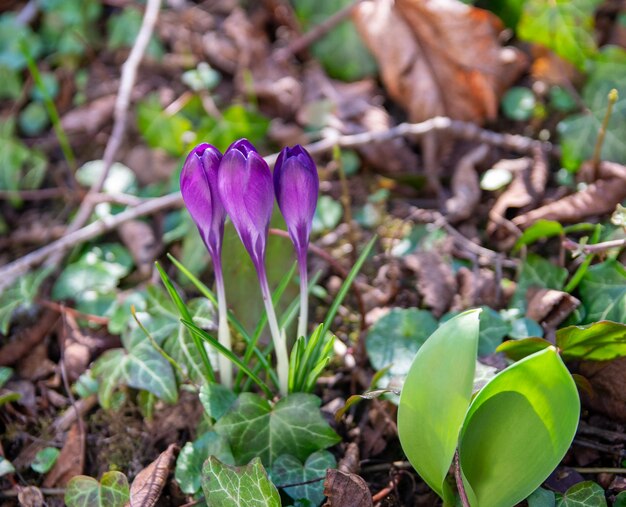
475,289
71,460
140,240
29,337
351,459
598,198
346,490
30,496
147,486
91,117
36,365
436,282
608,380
465,186
439,57
550,307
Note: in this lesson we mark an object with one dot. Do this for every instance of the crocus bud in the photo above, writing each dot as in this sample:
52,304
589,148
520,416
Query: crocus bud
198,184
245,186
296,184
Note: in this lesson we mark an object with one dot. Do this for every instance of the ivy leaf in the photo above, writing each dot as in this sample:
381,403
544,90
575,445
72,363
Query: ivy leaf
194,454
246,486
216,400
603,292
45,459
583,494
289,470
537,272
395,339
293,426
111,491
541,498
20,296
564,26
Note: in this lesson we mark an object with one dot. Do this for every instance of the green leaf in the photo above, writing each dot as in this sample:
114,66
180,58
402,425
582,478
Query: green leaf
493,328
340,51
579,132
435,397
45,459
395,339
525,327
293,426
111,491
5,374
20,296
246,486
6,467
620,500
517,430
600,341
564,26
189,463
541,498
123,28
33,119
537,272
328,214
518,103
603,292
541,229
519,349
161,130
216,399
289,470
583,494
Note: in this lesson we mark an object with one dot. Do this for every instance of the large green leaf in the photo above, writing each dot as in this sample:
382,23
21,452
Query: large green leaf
517,430
537,272
395,339
599,341
293,426
565,26
603,292
246,486
288,469
111,491
435,397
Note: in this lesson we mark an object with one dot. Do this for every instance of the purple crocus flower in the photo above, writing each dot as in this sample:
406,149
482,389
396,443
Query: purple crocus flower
245,186
296,184
198,184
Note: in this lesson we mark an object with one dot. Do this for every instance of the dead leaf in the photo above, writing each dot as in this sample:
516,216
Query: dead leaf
346,490
550,307
475,289
30,496
36,365
351,459
26,339
139,238
439,57
147,486
465,186
91,117
598,198
435,280
71,460
551,68
608,380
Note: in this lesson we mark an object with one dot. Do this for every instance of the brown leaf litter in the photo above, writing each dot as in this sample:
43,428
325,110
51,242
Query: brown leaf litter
148,484
439,57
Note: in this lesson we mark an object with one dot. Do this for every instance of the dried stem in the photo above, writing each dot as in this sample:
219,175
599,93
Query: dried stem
595,160
568,244
459,480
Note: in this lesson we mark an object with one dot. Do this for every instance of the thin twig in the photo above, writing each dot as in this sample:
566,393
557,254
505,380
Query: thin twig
459,480
316,33
568,244
19,267
127,82
595,160
11,493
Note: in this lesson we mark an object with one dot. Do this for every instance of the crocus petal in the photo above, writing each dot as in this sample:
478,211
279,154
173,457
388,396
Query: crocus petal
296,184
245,186
198,185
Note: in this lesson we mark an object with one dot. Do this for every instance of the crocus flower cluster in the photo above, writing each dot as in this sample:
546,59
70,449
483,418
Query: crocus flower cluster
240,185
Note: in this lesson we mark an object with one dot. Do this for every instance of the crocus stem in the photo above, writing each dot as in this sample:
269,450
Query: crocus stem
280,344
223,331
304,297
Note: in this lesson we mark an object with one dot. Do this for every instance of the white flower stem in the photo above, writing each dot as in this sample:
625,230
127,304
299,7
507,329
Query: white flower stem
280,343
223,331
304,297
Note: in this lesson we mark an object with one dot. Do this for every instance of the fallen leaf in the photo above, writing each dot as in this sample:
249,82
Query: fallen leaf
140,240
71,460
36,364
549,307
598,198
91,117
439,57
147,486
25,340
465,186
346,490
475,289
30,496
351,459
435,280
608,381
